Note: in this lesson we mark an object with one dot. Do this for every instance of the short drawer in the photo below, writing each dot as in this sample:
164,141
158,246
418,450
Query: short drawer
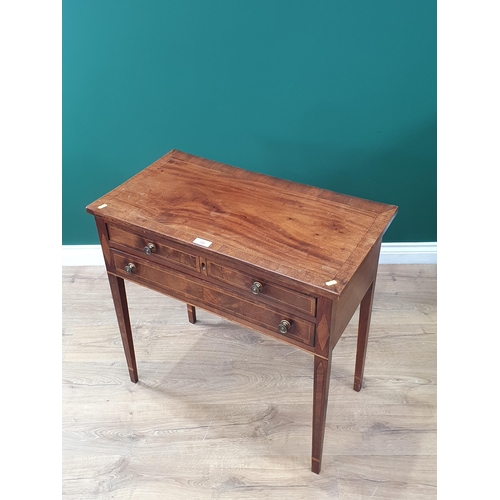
159,250
199,292
253,286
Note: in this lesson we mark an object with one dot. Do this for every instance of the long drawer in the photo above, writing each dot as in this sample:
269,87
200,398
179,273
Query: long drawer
199,292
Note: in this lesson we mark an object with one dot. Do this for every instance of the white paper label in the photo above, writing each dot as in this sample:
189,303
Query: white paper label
103,205
202,242
330,283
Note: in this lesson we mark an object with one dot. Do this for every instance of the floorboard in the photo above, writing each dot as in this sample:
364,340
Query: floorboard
222,412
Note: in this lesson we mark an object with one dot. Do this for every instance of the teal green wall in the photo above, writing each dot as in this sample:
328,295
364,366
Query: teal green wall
334,93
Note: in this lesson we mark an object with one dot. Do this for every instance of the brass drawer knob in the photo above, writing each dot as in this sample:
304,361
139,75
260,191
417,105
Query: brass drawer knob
284,326
256,288
150,248
130,268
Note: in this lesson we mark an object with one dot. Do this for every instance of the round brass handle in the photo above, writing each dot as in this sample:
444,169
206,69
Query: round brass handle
150,248
130,268
284,326
256,288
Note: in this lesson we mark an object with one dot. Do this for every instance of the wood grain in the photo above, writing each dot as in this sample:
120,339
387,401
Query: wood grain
301,236
365,312
191,313
300,232
223,412
216,299
118,293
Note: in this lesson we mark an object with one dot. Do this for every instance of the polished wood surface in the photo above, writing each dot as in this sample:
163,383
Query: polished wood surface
191,313
164,253
365,311
301,232
121,308
270,293
215,299
287,260
223,412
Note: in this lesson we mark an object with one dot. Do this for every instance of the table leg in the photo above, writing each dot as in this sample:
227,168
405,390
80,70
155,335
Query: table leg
120,300
322,369
191,313
365,312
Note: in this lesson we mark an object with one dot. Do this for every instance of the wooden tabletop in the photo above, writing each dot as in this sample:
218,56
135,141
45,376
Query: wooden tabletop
302,232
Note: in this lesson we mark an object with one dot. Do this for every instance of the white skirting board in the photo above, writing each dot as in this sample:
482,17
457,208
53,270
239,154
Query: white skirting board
391,253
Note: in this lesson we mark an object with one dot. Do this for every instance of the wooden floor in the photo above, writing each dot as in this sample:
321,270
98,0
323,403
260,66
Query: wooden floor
221,412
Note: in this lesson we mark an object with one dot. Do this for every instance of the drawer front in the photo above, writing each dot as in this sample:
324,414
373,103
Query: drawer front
269,292
161,250
198,292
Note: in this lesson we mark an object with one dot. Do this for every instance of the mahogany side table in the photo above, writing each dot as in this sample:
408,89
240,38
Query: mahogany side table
287,260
